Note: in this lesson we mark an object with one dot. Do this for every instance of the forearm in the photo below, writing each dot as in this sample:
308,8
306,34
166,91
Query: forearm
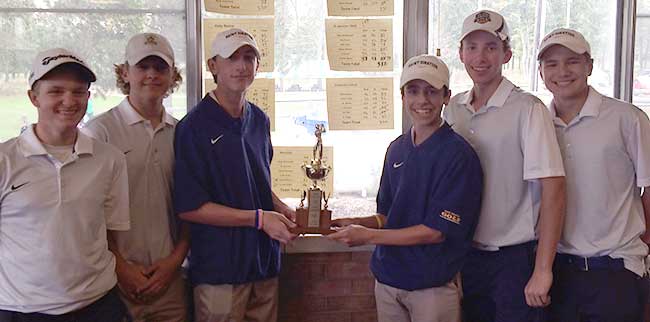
112,246
219,215
278,204
376,221
410,236
182,245
551,221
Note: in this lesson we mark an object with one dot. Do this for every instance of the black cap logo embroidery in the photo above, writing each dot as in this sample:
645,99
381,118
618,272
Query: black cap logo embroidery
482,17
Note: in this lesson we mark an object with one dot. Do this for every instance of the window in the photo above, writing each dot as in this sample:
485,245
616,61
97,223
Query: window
97,29
641,82
300,71
596,19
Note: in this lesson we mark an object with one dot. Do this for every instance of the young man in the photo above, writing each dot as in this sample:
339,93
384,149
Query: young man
509,271
429,199
60,191
605,145
222,185
149,256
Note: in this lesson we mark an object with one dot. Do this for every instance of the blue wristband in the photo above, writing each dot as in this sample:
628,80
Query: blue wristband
257,219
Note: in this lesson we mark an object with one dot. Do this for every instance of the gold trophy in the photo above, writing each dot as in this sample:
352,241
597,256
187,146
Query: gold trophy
315,218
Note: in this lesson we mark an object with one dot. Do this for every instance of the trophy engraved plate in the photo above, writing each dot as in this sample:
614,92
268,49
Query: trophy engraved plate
315,218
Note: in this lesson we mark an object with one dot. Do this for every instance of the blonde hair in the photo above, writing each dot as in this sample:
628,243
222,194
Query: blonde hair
125,88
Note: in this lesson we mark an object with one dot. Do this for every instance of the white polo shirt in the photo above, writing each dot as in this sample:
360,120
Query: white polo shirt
149,156
606,151
514,138
54,255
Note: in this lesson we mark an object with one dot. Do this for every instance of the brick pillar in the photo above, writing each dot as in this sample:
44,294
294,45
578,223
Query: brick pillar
327,287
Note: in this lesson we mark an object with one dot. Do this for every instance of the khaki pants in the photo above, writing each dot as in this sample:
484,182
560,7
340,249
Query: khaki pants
250,302
436,304
170,307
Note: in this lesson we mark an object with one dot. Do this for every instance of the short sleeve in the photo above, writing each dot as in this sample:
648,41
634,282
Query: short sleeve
384,194
539,145
637,143
456,202
190,171
116,206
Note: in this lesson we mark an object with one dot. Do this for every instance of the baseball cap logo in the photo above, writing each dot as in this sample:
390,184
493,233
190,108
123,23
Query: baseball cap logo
150,40
239,33
482,17
557,34
46,61
420,62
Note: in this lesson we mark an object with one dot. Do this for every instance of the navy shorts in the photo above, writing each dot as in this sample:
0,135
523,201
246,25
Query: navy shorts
494,282
109,308
591,293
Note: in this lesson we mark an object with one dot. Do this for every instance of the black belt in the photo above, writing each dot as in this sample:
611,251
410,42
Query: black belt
590,263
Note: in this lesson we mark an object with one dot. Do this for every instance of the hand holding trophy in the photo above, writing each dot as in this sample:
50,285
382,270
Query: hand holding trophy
315,218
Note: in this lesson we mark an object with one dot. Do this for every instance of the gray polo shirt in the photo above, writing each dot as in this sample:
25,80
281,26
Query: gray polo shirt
606,152
149,156
514,138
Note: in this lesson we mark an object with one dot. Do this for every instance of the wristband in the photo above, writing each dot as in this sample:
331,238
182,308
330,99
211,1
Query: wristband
259,213
257,218
379,222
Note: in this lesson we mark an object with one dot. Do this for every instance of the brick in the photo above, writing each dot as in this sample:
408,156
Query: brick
328,288
306,304
318,257
363,286
347,270
303,271
366,316
351,303
327,317
363,257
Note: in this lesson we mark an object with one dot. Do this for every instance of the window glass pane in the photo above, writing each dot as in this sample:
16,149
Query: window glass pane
99,37
96,4
594,18
641,83
300,72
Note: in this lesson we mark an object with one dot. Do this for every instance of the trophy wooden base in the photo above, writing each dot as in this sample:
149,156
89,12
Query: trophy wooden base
302,222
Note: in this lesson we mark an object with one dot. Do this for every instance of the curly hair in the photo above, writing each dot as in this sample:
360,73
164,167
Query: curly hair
124,86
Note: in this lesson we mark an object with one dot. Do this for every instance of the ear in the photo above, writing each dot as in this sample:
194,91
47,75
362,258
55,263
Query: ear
460,54
212,66
508,56
591,66
445,101
33,97
541,74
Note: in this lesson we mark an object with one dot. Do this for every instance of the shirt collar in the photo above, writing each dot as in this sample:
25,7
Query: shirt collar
591,106
31,145
131,116
498,98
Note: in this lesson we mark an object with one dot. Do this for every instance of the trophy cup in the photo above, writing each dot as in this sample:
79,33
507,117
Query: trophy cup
315,218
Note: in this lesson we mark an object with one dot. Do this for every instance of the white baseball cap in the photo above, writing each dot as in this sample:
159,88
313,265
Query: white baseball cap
486,20
148,44
428,68
568,38
49,59
228,41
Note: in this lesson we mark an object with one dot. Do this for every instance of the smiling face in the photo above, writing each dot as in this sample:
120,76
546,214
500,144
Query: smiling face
483,54
237,72
565,73
424,103
61,98
149,79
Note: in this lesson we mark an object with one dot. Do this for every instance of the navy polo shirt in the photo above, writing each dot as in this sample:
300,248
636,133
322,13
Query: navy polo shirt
225,160
437,184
